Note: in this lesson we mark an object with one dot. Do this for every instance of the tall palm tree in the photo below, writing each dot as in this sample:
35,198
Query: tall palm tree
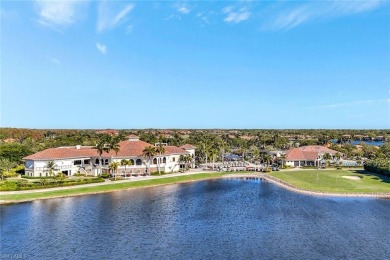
114,168
223,146
50,167
187,159
114,144
182,161
205,147
101,147
149,152
213,153
159,150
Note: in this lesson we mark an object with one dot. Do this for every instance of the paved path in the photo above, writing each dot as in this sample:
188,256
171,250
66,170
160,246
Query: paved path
108,182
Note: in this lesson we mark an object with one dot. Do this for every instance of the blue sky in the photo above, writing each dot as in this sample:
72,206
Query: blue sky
195,64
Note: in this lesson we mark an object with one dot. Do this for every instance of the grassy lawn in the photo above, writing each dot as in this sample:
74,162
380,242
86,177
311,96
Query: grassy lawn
108,187
332,181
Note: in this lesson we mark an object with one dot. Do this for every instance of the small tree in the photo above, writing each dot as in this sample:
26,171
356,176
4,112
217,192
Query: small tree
50,167
113,168
125,163
5,166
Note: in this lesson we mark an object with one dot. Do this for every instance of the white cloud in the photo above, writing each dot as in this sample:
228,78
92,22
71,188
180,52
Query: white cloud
235,16
354,103
111,15
101,47
55,61
290,17
182,8
57,14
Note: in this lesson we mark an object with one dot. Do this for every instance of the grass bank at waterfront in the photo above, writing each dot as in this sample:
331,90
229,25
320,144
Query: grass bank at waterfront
114,186
321,182
335,181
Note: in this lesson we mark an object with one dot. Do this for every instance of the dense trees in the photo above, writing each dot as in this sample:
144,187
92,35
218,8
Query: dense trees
211,144
381,166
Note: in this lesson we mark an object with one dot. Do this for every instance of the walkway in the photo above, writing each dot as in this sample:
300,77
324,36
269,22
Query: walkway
108,182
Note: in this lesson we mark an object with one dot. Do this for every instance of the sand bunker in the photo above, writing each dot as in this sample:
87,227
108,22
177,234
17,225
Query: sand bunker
355,178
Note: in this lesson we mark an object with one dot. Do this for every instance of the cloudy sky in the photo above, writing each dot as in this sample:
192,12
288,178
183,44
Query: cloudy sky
195,64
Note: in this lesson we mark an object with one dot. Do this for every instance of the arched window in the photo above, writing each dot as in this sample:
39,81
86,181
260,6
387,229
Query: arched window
106,162
164,160
97,161
155,161
138,162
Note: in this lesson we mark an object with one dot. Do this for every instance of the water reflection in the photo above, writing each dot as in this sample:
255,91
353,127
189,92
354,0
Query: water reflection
218,219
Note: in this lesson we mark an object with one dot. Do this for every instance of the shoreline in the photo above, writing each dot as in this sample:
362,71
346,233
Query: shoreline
266,177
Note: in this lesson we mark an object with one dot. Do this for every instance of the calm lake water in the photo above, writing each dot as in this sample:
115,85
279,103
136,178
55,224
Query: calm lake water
356,142
217,219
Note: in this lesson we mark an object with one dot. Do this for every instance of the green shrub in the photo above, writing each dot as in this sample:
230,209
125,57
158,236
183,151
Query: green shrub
105,175
79,175
381,166
156,173
45,183
9,185
118,178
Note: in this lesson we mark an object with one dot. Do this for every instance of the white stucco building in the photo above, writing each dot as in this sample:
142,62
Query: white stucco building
85,159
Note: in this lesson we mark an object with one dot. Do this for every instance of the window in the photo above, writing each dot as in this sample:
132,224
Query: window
164,160
173,159
138,162
106,162
87,161
77,162
97,161
155,161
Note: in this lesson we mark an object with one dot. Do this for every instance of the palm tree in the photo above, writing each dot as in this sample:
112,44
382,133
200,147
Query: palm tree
50,167
113,168
101,147
160,150
114,143
326,157
187,159
213,153
125,162
149,152
255,152
205,147
222,145
181,161
283,158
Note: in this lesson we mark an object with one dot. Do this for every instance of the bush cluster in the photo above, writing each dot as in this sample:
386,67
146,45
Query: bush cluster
381,166
45,183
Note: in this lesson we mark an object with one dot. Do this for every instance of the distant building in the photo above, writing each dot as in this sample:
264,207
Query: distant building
311,155
85,159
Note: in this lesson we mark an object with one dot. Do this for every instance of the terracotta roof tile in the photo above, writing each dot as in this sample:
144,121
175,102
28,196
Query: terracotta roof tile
133,148
188,146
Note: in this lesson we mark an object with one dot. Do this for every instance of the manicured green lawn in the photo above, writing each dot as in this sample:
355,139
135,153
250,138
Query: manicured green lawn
332,181
109,187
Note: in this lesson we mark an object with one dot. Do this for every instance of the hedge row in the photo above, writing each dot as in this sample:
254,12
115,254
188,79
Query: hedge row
381,166
22,185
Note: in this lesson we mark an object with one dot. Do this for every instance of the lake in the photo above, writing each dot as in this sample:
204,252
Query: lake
213,219
359,142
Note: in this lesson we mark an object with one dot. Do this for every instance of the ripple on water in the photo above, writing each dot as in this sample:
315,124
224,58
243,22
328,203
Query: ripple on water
218,219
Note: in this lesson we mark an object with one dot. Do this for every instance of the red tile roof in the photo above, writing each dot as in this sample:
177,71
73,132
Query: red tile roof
63,152
188,146
307,153
133,148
